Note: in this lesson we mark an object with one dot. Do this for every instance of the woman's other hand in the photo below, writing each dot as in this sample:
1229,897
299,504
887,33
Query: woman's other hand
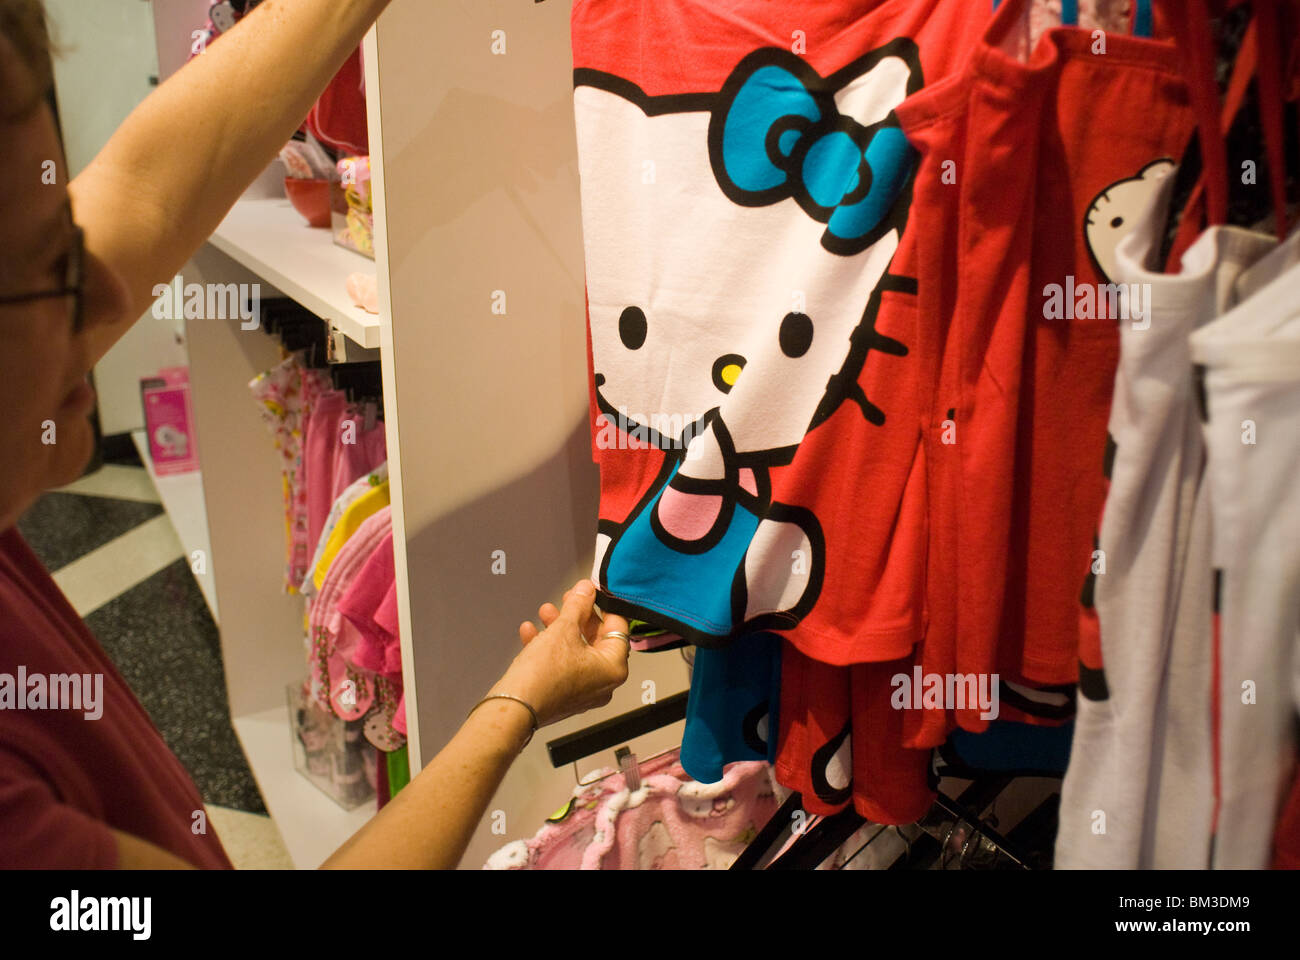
573,664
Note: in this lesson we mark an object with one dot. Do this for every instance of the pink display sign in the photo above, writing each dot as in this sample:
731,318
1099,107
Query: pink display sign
169,422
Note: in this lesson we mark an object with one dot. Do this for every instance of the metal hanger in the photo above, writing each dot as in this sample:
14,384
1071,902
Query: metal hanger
621,752
874,837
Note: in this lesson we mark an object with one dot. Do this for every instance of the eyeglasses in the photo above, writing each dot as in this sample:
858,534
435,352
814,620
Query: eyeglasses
73,283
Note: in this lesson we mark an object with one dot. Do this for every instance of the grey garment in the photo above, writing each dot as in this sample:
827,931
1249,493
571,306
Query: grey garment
1139,789
1252,388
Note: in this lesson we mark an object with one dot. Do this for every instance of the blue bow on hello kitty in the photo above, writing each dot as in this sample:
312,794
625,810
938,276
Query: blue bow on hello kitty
773,137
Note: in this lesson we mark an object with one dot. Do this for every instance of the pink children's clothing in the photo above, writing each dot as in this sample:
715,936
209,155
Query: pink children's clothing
287,395
321,440
660,641
334,638
376,648
337,451
357,452
385,618
344,500
670,823
369,607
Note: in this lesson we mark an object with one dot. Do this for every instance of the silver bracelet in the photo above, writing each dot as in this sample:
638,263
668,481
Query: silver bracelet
505,696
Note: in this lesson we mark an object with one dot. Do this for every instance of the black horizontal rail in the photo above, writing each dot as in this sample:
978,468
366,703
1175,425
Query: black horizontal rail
616,731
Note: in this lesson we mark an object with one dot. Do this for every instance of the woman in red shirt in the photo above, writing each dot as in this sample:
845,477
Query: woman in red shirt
78,790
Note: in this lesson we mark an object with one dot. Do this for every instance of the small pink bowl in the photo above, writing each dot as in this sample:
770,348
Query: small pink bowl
311,198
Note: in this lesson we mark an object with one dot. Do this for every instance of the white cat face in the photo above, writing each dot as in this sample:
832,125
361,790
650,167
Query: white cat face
1116,211
653,846
698,302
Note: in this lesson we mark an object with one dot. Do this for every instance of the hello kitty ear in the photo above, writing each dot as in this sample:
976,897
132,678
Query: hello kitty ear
1156,169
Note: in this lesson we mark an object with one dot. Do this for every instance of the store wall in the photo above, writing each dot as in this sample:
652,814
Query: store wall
108,56
175,22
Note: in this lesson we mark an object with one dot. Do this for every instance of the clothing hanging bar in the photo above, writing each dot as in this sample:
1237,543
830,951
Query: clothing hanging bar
616,731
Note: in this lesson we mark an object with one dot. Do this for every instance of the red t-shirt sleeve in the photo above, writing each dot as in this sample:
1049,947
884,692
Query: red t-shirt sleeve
40,831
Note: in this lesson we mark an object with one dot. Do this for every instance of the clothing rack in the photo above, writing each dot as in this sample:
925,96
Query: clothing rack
819,842
300,330
813,844
360,381
961,812
297,329
573,747
829,833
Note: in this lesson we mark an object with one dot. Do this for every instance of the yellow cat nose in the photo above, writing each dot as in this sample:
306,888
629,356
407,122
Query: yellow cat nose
726,371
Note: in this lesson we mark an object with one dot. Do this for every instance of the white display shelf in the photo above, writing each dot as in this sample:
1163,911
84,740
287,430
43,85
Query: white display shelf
182,497
270,238
312,825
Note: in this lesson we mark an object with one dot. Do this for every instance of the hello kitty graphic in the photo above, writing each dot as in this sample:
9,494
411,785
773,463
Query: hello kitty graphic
653,848
172,441
1114,213
737,243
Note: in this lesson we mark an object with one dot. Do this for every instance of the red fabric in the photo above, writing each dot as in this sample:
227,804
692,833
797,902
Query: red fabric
1196,44
814,715
1286,839
1015,499
1269,86
65,780
980,544
1193,215
885,781
1089,623
338,118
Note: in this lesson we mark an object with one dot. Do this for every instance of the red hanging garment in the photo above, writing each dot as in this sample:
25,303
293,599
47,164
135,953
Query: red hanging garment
1049,163
338,118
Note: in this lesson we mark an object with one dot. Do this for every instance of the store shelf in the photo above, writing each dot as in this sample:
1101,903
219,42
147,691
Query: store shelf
313,826
271,239
182,497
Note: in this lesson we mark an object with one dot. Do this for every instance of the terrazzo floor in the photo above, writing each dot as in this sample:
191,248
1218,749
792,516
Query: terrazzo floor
112,550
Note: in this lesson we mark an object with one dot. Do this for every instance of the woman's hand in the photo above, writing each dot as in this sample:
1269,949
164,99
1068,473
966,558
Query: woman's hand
572,665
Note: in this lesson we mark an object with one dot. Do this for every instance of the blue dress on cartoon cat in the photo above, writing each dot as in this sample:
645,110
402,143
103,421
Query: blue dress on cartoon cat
643,569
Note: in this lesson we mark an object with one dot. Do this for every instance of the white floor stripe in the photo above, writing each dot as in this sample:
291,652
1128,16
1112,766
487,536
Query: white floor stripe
251,840
114,480
108,571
